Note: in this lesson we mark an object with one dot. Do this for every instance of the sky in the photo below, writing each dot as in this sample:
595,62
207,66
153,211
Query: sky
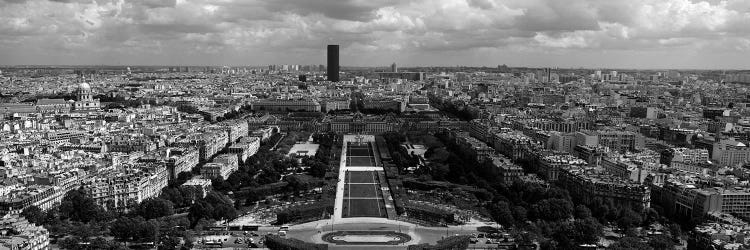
680,34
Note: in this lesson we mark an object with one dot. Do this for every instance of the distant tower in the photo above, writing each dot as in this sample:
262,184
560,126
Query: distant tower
394,68
333,63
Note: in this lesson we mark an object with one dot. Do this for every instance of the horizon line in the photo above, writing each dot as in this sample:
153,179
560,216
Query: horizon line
380,66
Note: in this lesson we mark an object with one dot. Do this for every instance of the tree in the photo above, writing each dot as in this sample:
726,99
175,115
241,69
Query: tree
238,179
134,229
34,214
582,212
586,231
628,219
148,231
501,213
519,213
553,209
215,198
650,216
174,195
224,212
268,176
220,184
252,197
85,230
630,243
123,228
676,231
661,242
77,205
155,207
317,168
198,211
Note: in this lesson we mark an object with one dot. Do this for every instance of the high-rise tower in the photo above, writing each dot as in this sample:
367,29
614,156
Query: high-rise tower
333,63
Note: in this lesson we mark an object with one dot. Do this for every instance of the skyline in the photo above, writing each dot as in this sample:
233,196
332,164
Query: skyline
643,34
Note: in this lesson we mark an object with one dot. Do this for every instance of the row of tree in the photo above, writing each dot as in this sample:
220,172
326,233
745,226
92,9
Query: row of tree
85,224
546,212
214,206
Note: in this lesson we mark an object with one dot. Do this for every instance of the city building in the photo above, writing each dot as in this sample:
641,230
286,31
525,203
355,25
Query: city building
588,186
85,100
286,106
245,148
333,105
509,171
551,166
479,149
221,167
202,185
650,113
620,141
123,190
16,232
45,105
333,63
730,152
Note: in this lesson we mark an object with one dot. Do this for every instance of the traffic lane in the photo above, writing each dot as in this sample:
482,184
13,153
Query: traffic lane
231,241
230,236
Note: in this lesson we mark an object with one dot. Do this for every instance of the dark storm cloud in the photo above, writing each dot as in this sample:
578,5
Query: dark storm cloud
158,3
352,10
72,1
481,4
559,16
241,29
14,1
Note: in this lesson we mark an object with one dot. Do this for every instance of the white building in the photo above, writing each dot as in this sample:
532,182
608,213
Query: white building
730,152
19,233
222,166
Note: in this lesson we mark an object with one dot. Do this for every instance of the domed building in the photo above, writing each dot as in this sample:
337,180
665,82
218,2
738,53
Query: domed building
86,99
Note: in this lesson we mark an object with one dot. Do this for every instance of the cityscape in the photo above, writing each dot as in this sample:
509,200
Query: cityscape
521,125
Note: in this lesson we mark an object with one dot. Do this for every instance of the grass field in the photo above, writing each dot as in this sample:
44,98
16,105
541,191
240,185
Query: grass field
359,151
360,161
364,208
362,191
360,177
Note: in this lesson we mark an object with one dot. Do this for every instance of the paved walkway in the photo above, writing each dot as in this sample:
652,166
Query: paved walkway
343,168
313,231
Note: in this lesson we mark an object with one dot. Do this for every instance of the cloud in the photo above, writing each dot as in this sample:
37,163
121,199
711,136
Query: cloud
351,10
240,31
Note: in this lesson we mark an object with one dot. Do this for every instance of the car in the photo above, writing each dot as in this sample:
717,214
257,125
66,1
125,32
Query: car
244,233
489,241
473,241
254,234
480,236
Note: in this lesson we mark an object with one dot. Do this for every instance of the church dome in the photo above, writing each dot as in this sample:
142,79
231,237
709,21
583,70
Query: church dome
84,86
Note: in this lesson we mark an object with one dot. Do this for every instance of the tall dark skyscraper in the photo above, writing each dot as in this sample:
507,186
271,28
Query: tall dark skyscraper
333,63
